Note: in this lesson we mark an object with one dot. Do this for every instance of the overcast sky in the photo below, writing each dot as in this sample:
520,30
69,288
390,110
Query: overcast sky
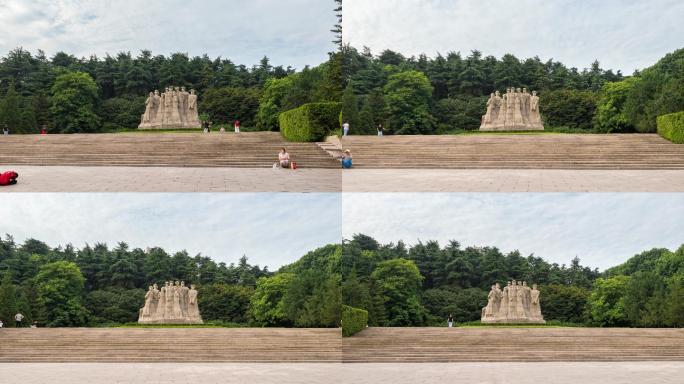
602,229
293,32
621,34
270,228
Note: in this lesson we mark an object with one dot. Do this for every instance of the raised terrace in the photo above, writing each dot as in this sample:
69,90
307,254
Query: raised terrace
169,345
391,345
516,151
246,150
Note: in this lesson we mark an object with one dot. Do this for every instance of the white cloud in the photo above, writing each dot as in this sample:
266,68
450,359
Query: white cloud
291,33
621,34
270,228
602,229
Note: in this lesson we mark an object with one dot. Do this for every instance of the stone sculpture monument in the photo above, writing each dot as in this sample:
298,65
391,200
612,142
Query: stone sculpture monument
516,110
175,108
174,303
515,304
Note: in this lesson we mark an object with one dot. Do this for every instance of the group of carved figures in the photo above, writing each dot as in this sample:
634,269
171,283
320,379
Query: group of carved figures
175,108
174,303
516,110
516,303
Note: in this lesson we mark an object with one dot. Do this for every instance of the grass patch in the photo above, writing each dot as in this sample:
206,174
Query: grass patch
214,129
546,131
208,324
549,324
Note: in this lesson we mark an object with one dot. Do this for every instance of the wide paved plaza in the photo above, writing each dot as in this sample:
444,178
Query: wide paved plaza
453,373
511,180
172,179
181,179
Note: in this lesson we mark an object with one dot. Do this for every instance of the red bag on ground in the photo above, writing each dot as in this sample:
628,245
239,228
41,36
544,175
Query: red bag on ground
8,178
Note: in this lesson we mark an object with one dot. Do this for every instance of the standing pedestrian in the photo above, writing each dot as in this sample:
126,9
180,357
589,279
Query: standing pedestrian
17,320
345,128
450,320
236,125
380,130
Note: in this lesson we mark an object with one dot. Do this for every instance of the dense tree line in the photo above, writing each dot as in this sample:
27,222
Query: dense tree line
396,284
68,94
422,95
422,284
97,285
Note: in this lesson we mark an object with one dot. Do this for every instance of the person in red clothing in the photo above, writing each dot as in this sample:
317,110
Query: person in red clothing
236,125
8,178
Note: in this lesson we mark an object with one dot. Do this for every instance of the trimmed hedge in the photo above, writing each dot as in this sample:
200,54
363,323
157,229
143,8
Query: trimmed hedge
354,320
671,127
310,122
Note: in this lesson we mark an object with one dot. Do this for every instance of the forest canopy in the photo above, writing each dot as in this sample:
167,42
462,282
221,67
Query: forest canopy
398,285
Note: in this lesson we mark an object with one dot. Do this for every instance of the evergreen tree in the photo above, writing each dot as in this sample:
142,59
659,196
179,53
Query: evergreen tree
350,112
74,98
11,111
8,299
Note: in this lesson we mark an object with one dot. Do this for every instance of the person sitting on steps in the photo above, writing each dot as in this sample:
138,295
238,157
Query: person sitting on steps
347,159
284,158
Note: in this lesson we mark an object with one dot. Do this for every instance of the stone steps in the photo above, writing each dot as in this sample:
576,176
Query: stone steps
326,345
246,150
499,151
170,345
513,345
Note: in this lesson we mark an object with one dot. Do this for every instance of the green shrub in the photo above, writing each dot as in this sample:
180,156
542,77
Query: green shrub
671,127
460,113
310,122
354,320
658,91
122,112
225,105
569,108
